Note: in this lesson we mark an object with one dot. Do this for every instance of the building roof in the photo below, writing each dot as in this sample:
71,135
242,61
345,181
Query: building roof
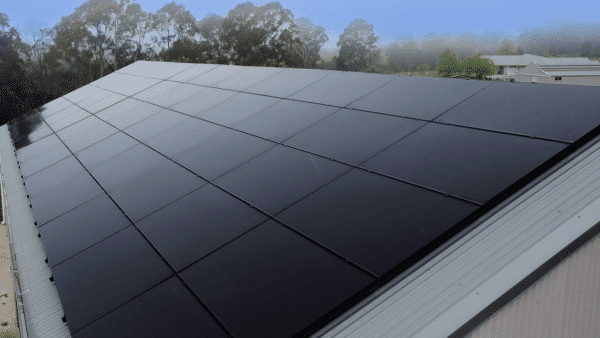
524,60
211,200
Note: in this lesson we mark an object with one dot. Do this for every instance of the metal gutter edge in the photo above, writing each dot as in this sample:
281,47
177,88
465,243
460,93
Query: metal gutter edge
13,257
455,283
41,307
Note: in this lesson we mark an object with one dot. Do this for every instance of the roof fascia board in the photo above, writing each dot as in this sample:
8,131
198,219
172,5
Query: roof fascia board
448,290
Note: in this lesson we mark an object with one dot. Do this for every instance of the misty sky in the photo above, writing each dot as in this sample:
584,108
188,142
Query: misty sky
393,20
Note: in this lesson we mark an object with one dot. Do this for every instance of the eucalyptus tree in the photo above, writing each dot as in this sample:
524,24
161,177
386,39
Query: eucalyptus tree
137,23
313,37
261,35
357,44
172,22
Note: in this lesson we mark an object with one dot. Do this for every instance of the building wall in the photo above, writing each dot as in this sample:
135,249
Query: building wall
566,80
563,303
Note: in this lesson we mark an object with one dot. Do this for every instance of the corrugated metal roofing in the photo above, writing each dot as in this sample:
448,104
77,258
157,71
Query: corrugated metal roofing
41,304
563,303
572,72
524,60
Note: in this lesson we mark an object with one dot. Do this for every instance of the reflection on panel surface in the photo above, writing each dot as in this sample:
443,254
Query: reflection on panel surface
27,129
248,282
206,200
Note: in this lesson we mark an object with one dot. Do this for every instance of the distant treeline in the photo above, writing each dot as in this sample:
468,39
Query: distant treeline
39,64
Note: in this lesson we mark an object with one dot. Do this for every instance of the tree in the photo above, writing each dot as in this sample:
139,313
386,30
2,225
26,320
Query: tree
98,17
172,21
210,29
136,24
508,48
261,36
313,37
356,46
478,67
17,94
448,65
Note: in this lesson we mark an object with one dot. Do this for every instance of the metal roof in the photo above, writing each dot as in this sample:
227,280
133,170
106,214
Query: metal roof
524,60
39,299
563,303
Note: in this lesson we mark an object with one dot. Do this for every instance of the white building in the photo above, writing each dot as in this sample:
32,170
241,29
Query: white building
538,69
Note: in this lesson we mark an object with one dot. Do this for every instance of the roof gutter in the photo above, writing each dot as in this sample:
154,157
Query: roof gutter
13,258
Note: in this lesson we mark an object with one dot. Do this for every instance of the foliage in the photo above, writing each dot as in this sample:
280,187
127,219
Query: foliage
356,46
260,36
17,93
172,21
448,65
312,37
508,48
478,67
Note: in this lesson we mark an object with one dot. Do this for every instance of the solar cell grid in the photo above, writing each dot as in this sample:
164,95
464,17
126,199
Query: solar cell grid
236,108
288,82
198,103
128,112
418,97
66,117
468,163
201,222
85,133
34,149
341,88
216,75
248,77
259,217
125,84
107,275
284,119
222,152
82,227
540,110
353,136
253,299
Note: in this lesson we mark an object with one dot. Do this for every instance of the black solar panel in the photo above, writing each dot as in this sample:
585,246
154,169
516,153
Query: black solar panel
206,201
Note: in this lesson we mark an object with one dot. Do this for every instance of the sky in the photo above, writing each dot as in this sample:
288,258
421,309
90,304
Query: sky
393,20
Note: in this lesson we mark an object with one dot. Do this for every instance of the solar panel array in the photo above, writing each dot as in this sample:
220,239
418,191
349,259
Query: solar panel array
188,200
